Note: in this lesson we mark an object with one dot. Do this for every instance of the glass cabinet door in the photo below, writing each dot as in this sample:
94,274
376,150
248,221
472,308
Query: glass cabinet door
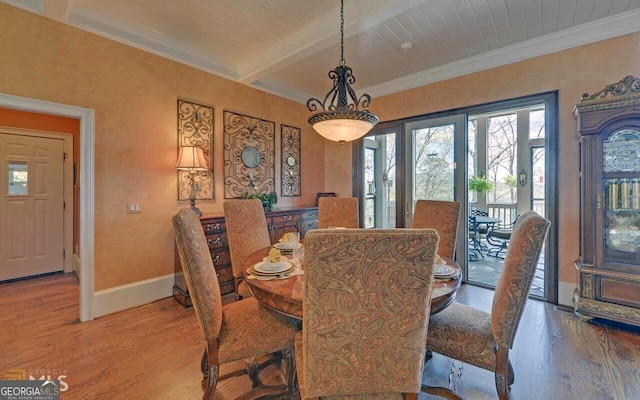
621,181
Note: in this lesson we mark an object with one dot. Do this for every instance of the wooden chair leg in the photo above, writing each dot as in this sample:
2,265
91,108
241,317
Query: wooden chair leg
442,392
204,364
289,360
510,376
211,375
502,372
254,373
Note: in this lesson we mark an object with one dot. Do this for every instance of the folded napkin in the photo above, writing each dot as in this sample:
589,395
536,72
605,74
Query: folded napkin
294,272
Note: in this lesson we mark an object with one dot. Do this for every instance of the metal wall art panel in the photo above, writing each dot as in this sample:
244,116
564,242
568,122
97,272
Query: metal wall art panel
249,154
290,153
195,128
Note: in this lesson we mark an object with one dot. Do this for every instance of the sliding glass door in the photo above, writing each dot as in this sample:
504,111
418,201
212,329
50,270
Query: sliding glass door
402,164
431,156
498,160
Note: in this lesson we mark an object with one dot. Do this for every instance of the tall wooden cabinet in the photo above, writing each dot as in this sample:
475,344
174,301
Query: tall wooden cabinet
609,265
278,222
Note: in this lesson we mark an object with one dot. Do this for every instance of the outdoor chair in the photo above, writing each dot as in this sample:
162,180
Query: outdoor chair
498,239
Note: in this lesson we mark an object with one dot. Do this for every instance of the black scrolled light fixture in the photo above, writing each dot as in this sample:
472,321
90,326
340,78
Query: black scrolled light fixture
344,116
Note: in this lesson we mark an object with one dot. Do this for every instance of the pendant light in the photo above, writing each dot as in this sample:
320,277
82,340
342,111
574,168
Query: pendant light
344,116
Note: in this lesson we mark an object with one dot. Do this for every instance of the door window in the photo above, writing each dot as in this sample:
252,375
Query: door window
18,178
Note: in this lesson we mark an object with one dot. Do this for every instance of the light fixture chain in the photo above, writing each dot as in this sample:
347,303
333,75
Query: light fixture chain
342,62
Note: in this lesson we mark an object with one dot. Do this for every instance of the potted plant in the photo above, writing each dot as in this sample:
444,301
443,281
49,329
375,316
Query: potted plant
268,199
479,183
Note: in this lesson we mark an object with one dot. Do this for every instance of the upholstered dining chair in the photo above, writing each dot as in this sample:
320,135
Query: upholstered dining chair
484,340
442,216
247,233
338,212
366,309
239,330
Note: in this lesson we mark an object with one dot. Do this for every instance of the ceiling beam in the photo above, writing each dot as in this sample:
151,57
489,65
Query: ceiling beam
321,34
57,9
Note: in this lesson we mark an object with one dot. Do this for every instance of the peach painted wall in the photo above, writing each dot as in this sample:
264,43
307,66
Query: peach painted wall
51,123
572,72
134,95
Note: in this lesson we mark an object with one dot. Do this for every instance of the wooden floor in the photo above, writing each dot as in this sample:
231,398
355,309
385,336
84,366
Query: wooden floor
153,351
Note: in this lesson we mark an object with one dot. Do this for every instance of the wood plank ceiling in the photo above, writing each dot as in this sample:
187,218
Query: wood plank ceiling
288,46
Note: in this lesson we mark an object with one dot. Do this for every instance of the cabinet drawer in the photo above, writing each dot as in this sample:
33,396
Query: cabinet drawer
221,257
308,225
283,219
210,226
227,288
217,240
224,274
309,215
619,292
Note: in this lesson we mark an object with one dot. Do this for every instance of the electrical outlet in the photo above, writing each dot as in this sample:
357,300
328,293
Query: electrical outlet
134,208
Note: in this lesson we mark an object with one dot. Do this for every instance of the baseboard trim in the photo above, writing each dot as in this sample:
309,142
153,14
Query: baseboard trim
75,262
565,293
136,294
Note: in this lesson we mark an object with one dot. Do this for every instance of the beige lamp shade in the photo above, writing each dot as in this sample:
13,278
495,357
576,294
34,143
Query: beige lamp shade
192,158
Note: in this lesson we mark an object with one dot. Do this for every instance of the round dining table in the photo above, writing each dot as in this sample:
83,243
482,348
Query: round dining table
285,295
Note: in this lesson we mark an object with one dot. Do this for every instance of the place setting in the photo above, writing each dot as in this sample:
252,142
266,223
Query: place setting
444,272
288,242
276,266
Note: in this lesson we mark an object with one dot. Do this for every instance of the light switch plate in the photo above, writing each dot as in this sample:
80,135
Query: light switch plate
134,208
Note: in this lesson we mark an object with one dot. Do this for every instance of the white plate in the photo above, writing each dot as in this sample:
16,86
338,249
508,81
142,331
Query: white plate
444,270
286,245
275,268
255,270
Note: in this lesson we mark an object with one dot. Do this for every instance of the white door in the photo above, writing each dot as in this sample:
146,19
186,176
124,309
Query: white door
31,206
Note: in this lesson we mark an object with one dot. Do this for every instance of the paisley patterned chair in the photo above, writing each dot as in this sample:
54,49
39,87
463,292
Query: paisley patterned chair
247,233
338,211
442,216
366,309
239,330
475,337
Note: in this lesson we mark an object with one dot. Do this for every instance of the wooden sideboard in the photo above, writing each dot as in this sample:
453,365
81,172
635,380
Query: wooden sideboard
278,222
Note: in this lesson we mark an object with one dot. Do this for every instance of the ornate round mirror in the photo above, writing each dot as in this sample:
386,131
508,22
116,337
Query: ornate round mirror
251,157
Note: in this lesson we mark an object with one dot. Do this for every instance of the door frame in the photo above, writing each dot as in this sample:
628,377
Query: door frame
67,193
552,139
87,186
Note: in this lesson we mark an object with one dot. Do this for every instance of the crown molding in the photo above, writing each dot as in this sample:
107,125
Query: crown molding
318,36
606,28
34,6
153,42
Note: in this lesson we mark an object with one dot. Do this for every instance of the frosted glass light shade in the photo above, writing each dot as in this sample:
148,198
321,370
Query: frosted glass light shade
342,130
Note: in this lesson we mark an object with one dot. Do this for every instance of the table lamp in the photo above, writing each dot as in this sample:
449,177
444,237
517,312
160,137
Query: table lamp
191,159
